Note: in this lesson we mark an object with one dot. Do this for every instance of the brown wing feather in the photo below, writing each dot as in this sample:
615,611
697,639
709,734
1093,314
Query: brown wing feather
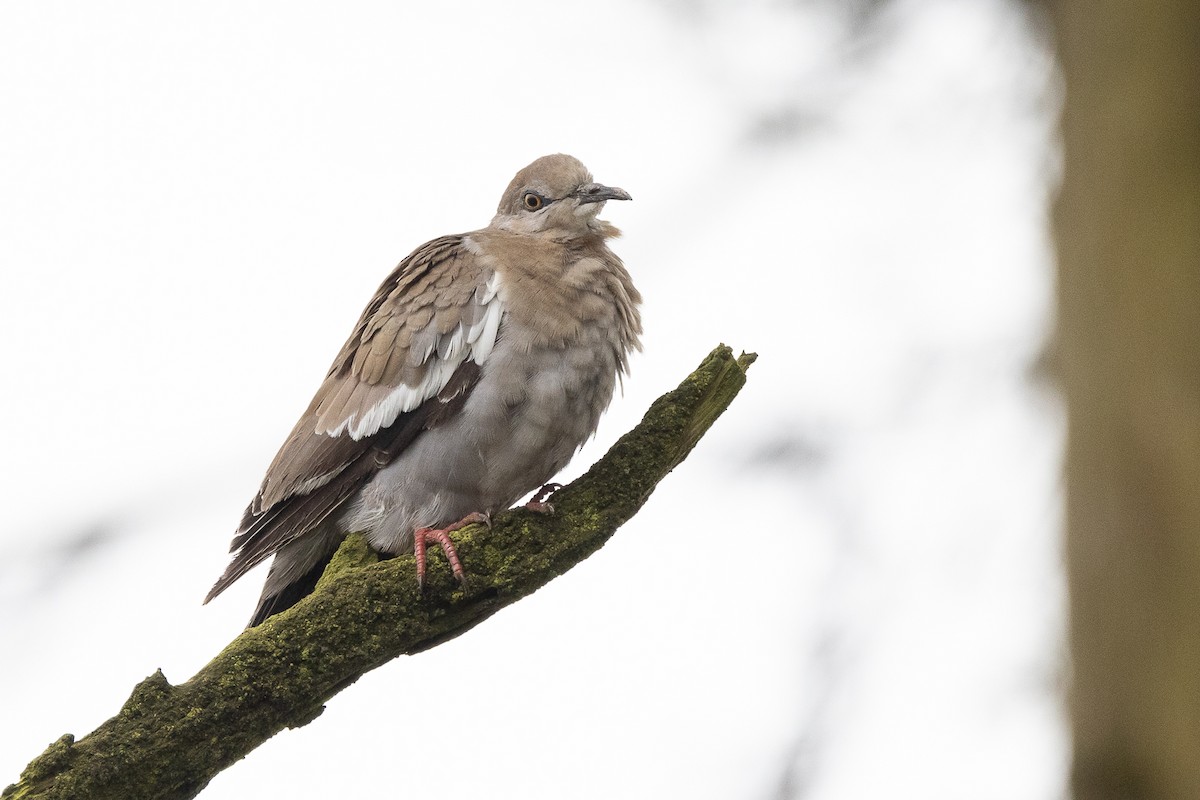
353,385
405,327
262,533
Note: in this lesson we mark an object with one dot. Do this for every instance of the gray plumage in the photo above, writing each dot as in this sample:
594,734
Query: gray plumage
483,362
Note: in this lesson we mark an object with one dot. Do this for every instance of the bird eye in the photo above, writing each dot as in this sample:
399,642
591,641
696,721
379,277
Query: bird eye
532,201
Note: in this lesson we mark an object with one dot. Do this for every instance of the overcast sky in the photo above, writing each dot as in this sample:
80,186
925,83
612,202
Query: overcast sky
851,588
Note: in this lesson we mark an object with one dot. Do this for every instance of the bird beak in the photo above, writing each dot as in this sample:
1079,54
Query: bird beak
598,193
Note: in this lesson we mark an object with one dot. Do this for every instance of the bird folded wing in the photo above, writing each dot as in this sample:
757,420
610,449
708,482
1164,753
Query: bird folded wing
411,362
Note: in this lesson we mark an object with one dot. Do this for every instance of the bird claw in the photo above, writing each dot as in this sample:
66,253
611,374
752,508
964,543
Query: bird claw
543,493
538,503
423,537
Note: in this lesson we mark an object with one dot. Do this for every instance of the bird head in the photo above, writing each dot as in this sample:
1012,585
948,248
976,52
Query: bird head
554,195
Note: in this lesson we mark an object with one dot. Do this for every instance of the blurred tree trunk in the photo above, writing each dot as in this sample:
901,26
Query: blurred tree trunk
1128,227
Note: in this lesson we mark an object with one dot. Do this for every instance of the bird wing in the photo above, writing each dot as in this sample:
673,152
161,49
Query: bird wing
409,365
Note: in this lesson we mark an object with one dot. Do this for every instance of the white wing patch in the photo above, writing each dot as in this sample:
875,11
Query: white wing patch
481,336
473,342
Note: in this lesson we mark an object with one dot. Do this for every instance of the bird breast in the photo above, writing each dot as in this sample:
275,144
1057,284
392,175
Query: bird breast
561,343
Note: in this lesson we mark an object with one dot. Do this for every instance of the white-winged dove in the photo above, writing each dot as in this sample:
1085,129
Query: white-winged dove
479,367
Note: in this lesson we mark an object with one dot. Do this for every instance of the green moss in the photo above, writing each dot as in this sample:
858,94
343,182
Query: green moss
353,552
146,696
43,769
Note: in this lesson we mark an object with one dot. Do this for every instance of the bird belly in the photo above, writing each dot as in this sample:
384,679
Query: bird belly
524,420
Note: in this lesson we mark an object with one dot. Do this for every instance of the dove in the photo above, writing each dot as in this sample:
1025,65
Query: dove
481,365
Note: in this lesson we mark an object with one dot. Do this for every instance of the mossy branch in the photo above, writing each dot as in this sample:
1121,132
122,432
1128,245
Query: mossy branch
170,741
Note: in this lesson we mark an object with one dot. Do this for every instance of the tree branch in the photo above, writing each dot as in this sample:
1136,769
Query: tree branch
170,741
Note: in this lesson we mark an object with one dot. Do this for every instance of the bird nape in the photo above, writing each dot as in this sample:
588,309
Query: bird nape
480,366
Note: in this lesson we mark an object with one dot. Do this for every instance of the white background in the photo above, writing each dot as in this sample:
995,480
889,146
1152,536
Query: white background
851,589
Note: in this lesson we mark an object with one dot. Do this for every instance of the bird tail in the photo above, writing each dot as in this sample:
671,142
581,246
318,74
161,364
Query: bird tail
295,569
272,602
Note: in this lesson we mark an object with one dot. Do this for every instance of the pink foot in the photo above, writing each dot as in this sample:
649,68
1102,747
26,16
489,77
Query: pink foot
538,501
423,537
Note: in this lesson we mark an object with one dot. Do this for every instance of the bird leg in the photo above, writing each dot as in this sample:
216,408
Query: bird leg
538,501
423,537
